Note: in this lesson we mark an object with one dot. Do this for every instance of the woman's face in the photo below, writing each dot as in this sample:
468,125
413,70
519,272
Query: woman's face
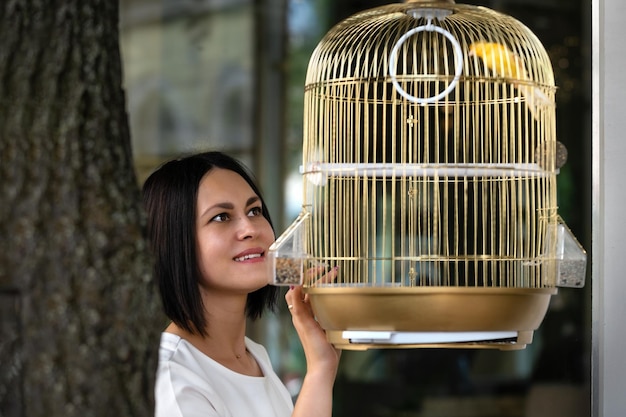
233,237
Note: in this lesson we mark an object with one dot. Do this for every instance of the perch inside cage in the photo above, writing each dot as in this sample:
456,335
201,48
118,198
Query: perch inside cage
429,171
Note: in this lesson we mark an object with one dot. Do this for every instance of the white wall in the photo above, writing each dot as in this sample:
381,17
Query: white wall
609,209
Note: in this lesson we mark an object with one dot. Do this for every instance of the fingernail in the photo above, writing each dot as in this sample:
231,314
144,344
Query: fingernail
336,267
291,287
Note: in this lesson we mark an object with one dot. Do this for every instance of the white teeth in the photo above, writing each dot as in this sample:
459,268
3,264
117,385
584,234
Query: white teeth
246,257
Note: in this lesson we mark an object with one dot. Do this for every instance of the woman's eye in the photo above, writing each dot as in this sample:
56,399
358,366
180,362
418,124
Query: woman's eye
255,211
222,217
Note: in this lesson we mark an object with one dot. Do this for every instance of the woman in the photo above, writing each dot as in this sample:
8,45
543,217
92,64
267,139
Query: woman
210,232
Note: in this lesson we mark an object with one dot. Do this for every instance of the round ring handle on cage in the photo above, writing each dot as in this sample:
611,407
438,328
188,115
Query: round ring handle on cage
458,61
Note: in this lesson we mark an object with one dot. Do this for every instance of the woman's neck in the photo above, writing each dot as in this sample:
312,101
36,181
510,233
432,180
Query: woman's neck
224,341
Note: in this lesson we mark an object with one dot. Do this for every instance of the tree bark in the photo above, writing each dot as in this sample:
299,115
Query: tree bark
79,313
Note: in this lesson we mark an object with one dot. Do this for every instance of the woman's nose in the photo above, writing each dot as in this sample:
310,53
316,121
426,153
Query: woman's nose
246,227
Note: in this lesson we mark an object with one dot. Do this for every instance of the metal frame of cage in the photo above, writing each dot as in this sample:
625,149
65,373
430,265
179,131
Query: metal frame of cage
429,170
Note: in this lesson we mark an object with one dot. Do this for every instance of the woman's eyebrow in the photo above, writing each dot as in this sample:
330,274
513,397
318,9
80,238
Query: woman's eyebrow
252,200
229,206
224,206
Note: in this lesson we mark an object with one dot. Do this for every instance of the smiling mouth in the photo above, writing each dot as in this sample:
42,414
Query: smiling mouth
246,257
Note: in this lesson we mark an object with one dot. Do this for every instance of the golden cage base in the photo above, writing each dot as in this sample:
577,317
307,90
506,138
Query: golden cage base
347,310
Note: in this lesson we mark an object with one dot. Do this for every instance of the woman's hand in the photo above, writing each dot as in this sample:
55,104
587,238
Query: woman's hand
322,358
319,353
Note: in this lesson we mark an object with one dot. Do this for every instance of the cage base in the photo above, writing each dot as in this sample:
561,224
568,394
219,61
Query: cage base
398,312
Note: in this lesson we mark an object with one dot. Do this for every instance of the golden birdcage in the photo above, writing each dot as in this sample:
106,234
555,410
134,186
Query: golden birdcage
429,171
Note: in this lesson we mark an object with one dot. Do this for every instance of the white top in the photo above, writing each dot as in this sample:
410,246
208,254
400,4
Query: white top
191,384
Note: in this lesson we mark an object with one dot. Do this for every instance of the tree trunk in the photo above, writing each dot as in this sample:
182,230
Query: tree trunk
79,313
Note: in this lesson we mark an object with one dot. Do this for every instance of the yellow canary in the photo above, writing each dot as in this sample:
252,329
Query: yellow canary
507,64
499,59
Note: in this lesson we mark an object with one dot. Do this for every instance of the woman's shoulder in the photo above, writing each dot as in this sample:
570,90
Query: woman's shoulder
176,351
182,387
168,345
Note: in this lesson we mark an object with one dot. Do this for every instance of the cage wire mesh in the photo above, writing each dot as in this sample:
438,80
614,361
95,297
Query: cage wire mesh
429,161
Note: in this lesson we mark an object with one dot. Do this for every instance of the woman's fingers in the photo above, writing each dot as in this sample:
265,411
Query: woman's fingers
316,271
330,276
312,273
294,298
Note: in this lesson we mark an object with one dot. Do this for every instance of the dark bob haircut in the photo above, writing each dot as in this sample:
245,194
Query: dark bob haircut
170,195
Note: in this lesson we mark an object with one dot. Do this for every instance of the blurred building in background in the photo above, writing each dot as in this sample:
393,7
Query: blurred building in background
189,76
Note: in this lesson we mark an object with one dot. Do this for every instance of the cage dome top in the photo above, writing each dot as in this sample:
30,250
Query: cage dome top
436,42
